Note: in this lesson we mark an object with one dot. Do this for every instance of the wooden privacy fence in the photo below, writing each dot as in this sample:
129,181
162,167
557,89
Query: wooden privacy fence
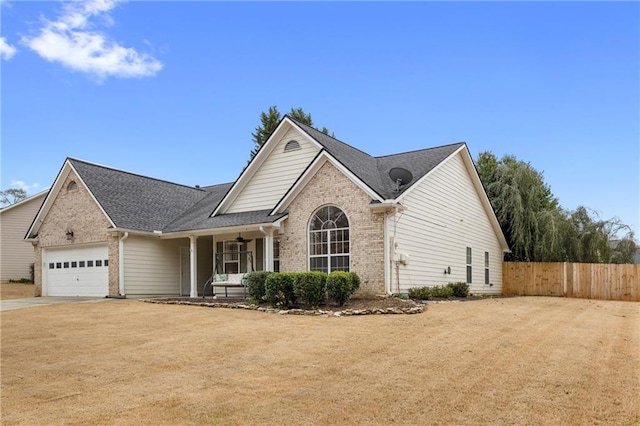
580,280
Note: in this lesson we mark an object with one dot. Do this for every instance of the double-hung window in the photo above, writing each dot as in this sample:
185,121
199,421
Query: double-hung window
486,268
469,266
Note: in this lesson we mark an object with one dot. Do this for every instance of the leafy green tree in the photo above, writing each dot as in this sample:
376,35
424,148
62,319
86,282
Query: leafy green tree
624,251
537,228
269,121
521,200
12,196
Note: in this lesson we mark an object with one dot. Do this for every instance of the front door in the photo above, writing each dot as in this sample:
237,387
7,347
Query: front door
185,271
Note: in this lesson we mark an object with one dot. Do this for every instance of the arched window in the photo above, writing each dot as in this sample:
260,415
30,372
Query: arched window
72,186
329,240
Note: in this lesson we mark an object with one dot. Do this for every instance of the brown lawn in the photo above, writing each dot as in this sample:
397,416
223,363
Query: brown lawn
530,360
16,291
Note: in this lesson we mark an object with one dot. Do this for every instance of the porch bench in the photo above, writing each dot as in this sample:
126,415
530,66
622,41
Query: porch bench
227,281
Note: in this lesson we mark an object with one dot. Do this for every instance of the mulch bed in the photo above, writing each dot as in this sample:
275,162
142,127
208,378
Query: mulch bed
357,306
376,306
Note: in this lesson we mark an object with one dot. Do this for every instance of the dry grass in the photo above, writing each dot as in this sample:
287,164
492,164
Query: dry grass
498,361
16,291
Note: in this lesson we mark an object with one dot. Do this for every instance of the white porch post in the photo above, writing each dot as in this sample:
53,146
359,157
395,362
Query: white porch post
193,257
268,251
213,250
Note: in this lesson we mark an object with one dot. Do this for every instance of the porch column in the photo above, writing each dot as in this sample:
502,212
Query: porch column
268,251
213,261
193,257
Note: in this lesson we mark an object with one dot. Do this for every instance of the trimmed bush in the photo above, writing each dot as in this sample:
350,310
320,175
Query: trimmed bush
420,293
310,288
427,293
279,289
340,286
460,289
445,292
255,285
355,281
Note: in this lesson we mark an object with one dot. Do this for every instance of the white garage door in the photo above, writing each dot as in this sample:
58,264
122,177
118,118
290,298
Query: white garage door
77,272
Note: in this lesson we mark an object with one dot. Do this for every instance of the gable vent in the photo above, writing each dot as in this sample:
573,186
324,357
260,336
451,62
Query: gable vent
292,145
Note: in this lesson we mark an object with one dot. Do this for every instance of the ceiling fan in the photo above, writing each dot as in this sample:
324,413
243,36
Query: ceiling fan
241,240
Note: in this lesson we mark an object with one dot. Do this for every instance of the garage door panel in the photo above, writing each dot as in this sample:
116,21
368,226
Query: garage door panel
77,272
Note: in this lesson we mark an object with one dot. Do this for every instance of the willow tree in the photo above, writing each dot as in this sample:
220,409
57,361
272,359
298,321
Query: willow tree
523,204
537,228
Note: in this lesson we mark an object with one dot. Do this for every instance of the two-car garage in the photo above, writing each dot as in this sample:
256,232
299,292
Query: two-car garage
76,271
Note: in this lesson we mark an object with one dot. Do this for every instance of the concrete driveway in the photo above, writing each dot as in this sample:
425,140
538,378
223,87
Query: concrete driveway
11,304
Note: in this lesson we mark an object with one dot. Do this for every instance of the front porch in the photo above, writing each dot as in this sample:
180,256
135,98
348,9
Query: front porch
216,264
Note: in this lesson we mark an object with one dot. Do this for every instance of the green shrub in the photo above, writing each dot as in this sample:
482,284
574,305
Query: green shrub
21,281
32,272
400,296
440,291
355,281
420,293
255,284
460,289
279,289
340,286
310,287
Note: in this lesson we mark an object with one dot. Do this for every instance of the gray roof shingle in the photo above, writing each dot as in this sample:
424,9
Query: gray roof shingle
136,202
198,216
142,203
374,171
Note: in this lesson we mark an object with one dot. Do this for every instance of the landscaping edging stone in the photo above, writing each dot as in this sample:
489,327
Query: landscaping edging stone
309,312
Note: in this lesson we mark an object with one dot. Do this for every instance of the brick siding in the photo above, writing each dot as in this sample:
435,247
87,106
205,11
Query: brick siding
331,187
76,210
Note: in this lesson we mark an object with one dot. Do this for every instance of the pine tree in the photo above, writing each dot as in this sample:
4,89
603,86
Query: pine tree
269,121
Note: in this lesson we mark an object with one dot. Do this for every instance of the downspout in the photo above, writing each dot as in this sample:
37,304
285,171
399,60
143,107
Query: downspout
394,261
121,262
386,248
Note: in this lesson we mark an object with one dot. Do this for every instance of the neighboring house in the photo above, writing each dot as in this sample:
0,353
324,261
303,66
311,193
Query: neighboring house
17,255
305,202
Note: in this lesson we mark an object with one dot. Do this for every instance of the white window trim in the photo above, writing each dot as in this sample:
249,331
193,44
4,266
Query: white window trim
469,261
328,255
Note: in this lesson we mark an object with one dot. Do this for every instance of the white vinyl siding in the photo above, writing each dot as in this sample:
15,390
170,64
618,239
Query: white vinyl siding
16,254
152,266
443,216
276,175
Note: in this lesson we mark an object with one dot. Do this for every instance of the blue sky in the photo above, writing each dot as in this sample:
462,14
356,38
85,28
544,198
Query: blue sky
174,89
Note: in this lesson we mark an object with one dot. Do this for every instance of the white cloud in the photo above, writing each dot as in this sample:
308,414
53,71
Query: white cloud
20,184
73,41
6,50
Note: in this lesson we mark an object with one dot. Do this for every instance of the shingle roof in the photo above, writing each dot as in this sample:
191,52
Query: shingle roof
136,202
142,203
202,220
199,217
374,171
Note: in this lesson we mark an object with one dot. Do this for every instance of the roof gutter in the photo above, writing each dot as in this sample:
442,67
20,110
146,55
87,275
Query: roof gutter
218,231
387,205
